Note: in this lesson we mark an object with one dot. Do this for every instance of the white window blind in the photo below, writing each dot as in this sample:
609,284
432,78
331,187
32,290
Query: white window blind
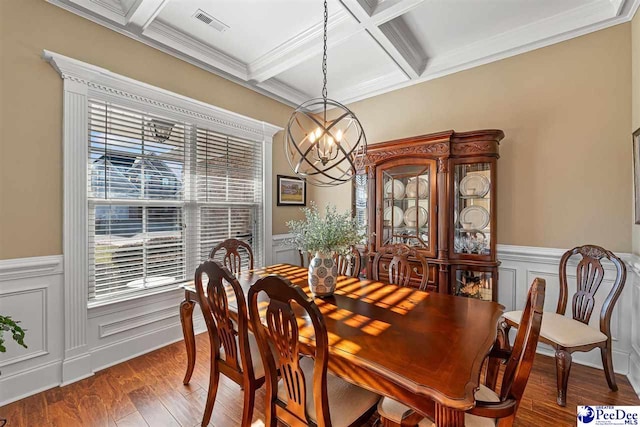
161,194
228,191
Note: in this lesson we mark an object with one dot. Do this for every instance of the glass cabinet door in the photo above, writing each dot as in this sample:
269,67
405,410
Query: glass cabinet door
360,212
407,209
473,284
472,209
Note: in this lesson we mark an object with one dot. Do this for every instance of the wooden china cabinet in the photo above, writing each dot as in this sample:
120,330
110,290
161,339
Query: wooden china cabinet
436,193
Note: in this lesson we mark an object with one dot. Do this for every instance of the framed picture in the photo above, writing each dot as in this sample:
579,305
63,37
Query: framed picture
636,173
292,191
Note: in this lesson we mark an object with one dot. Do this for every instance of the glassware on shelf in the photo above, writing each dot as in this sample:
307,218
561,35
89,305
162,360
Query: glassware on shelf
472,208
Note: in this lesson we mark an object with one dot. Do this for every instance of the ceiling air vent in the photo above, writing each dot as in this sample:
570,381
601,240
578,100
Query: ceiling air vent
203,16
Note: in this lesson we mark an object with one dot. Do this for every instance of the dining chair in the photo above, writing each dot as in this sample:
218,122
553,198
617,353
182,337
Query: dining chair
239,359
305,258
306,393
567,335
349,264
399,270
235,252
492,407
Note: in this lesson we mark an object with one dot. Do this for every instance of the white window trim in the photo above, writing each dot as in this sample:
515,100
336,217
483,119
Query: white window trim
81,82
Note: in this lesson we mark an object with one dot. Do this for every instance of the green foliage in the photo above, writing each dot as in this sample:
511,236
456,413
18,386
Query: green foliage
333,232
9,325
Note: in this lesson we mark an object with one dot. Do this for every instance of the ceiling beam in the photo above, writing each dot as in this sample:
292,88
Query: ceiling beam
393,36
143,12
303,46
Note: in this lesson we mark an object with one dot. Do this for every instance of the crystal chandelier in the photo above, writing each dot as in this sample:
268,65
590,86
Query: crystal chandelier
324,139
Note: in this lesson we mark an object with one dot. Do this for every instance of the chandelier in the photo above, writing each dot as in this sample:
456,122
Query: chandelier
324,139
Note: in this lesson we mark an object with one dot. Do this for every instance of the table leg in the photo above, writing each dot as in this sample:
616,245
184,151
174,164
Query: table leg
186,318
448,417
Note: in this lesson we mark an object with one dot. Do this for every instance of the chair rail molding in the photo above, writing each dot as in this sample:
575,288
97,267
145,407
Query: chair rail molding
31,292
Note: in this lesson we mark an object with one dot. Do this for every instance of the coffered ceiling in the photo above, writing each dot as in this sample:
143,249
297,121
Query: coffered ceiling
375,46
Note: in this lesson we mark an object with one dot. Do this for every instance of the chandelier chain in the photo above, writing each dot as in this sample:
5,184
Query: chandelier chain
324,54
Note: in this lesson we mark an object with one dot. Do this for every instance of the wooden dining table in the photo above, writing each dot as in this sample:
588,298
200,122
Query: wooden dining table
421,348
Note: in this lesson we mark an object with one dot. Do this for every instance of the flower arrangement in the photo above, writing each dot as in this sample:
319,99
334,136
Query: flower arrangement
333,232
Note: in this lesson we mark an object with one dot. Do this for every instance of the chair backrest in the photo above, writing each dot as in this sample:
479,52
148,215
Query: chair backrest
234,250
399,270
305,258
589,276
518,368
350,264
222,331
279,337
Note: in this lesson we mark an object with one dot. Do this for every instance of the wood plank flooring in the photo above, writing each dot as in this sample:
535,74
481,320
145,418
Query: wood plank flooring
148,391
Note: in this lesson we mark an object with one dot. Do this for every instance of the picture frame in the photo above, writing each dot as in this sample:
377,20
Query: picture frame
636,174
291,191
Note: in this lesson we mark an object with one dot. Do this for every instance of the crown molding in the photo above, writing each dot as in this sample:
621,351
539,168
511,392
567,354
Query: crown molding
163,33
372,16
454,62
279,88
176,53
102,80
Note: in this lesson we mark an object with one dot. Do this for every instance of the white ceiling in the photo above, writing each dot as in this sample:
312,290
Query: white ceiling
275,46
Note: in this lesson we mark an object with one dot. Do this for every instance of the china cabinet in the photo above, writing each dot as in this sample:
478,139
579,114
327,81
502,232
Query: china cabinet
435,193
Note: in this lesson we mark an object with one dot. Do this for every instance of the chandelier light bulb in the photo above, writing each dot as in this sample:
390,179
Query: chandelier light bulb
324,139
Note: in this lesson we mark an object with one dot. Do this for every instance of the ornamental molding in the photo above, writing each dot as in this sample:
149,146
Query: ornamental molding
106,82
473,147
440,148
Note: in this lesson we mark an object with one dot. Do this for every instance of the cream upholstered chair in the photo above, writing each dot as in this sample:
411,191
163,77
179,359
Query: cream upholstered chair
240,357
491,406
567,335
306,393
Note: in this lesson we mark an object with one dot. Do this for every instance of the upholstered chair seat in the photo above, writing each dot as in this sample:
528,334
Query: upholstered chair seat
346,401
563,330
489,405
396,411
569,334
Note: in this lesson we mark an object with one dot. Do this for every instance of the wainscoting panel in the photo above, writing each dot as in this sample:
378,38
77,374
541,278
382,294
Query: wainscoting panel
284,253
121,331
31,292
634,361
529,263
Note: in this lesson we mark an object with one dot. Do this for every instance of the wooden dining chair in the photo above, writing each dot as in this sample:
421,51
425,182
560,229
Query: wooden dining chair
399,270
235,252
567,335
240,357
349,264
306,393
305,258
493,407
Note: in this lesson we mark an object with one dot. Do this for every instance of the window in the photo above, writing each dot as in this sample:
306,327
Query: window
162,192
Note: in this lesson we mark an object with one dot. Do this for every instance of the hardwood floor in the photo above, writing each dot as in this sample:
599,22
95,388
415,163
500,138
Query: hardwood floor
148,391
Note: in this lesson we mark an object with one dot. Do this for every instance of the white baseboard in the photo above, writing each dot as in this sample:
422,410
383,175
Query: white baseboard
76,369
634,371
30,381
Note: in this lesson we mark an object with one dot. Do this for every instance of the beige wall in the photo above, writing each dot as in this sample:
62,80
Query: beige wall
31,112
566,112
635,110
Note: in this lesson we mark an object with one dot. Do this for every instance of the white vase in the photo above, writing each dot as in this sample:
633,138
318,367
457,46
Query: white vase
323,273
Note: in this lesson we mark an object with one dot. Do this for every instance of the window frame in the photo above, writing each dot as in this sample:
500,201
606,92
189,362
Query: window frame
81,82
